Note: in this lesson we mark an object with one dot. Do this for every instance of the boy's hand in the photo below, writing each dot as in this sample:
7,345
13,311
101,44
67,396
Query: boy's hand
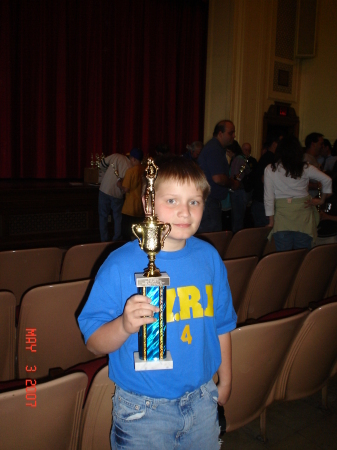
225,369
224,392
137,312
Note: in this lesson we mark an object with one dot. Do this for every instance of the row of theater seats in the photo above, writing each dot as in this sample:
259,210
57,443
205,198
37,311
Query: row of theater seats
278,280
47,335
282,279
246,242
287,355
284,356
24,269
71,411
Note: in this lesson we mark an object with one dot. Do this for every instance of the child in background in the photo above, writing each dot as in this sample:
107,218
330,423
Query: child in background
165,409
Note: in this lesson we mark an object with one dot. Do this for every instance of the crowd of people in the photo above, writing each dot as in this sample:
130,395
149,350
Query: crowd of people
281,190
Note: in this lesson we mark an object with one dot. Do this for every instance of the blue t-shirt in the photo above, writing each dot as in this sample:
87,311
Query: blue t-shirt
213,161
199,309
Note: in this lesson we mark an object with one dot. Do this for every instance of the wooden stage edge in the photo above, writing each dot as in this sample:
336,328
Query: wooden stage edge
47,213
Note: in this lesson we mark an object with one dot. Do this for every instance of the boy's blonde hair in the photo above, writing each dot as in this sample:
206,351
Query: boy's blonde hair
181,170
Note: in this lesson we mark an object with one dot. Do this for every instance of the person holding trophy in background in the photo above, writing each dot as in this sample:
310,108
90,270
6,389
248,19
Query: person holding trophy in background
161,409
239,168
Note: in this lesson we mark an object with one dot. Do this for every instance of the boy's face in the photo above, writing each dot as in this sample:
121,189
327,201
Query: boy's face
182,206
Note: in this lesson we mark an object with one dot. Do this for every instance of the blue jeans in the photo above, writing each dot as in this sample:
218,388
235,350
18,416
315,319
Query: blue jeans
239,204
291,240
145,423
107,203
212,216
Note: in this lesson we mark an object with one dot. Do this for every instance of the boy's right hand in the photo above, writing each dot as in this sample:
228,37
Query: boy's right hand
137,312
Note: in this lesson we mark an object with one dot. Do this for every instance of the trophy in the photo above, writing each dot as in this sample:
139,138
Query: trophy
97,161
238,175
319,195
116,173
241,170
151,234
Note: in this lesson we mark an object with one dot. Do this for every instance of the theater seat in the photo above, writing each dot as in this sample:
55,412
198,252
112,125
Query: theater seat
90,368
97,414
52,424
314,276
270,284
332,289
311,358
239,272
248,242
51,312
7,335
219,239
24,269
83,261
270,247
257,354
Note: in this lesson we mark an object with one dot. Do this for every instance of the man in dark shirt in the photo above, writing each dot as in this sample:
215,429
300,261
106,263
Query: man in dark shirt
259,217
213,162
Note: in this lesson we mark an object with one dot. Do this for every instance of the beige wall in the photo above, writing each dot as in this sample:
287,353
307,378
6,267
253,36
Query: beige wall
241,41
318,89
251,50
219,64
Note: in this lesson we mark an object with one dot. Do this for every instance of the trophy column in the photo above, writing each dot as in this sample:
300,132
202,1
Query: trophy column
152,352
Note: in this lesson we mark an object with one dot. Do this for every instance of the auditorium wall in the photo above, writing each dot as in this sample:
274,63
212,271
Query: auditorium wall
318,91
240,70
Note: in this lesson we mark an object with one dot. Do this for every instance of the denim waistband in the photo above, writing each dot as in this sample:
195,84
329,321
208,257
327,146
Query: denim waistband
149,401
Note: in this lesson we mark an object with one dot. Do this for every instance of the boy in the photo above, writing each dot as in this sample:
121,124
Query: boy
165,409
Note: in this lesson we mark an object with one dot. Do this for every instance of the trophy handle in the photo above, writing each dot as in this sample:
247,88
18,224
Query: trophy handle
166,233
136,228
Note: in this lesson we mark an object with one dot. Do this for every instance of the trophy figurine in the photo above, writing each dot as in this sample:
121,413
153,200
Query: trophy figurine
151,234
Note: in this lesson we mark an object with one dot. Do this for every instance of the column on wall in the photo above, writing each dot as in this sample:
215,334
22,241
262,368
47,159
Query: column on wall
239,40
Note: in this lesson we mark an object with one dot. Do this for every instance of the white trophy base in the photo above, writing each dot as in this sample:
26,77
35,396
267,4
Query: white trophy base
159,364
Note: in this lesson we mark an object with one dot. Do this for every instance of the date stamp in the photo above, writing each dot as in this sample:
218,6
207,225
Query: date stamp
31,342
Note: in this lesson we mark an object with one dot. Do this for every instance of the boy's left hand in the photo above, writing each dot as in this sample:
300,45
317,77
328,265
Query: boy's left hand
224,392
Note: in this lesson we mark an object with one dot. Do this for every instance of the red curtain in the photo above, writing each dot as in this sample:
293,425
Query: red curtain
80,77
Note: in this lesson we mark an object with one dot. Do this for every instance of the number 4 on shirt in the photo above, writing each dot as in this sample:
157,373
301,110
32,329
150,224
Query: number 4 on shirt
186,335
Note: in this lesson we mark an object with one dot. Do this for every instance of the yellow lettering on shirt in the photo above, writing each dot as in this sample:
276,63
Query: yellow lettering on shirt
189,297
209,311
170,298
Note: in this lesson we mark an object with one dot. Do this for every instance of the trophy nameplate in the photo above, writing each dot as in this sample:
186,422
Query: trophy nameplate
151,234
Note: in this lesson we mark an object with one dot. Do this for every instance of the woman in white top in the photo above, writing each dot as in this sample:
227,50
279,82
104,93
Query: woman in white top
292,212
